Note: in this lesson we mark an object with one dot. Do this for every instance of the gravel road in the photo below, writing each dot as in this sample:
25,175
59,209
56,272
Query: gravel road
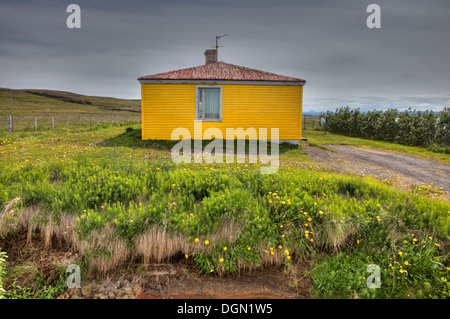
407,169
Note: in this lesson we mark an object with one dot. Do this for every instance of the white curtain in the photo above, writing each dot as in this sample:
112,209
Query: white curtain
211,99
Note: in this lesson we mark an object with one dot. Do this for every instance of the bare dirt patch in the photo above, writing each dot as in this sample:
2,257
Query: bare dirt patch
405,170
181,280
177,279
32,256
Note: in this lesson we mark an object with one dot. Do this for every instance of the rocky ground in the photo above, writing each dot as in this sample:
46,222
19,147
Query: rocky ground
105,290
181,281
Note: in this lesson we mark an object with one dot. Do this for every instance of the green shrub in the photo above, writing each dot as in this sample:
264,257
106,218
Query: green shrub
409,127
3,257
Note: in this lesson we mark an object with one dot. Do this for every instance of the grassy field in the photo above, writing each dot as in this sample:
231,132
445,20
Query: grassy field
64,107
142,207
48,102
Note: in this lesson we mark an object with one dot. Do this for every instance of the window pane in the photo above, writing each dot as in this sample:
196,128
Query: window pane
211,103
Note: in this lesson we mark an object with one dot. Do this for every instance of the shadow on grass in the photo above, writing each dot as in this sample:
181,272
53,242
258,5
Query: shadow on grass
133,138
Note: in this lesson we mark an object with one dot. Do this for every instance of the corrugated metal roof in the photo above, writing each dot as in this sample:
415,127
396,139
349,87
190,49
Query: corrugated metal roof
220,71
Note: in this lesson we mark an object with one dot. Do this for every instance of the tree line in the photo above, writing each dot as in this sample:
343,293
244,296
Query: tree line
408,127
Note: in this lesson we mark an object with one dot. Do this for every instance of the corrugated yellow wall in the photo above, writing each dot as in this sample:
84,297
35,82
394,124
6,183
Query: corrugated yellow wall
168,106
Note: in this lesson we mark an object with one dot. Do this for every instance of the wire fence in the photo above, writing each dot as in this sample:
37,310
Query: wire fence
15,123
311,122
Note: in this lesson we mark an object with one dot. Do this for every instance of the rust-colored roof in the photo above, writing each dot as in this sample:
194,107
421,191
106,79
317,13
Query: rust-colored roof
220,71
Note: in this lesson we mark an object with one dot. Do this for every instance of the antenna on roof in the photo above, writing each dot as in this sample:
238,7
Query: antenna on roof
217,40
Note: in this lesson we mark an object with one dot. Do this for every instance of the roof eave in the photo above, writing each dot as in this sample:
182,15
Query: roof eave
143,80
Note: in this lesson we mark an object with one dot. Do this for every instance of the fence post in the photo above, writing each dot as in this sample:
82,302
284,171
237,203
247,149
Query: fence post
313,125
79,119
35,124
8,123
53,122
12,123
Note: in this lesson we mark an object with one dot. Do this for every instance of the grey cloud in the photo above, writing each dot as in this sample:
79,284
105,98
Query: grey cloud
324,42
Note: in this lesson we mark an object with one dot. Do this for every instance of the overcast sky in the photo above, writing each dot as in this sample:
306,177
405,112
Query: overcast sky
405,63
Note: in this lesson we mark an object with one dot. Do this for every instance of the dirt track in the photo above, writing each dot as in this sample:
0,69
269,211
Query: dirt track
405,169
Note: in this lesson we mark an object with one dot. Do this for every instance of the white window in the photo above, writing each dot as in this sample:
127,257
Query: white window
209,103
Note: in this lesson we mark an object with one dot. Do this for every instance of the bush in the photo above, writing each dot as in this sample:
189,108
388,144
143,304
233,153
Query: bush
410,127
443,128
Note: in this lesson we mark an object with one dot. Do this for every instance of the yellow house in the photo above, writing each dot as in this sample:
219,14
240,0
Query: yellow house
222,96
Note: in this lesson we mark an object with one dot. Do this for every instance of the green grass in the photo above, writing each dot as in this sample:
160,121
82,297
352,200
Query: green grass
126,191
38,288
132,137
3,258
319,146
335,139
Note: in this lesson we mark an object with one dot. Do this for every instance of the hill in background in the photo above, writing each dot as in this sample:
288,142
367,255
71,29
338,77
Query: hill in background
43,102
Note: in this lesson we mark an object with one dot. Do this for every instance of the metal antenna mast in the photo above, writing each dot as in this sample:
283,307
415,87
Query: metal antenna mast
217,40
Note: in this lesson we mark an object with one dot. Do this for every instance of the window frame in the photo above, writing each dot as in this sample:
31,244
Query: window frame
197,87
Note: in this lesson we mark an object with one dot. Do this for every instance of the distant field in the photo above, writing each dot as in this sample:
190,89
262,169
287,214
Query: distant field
65,107
49,102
